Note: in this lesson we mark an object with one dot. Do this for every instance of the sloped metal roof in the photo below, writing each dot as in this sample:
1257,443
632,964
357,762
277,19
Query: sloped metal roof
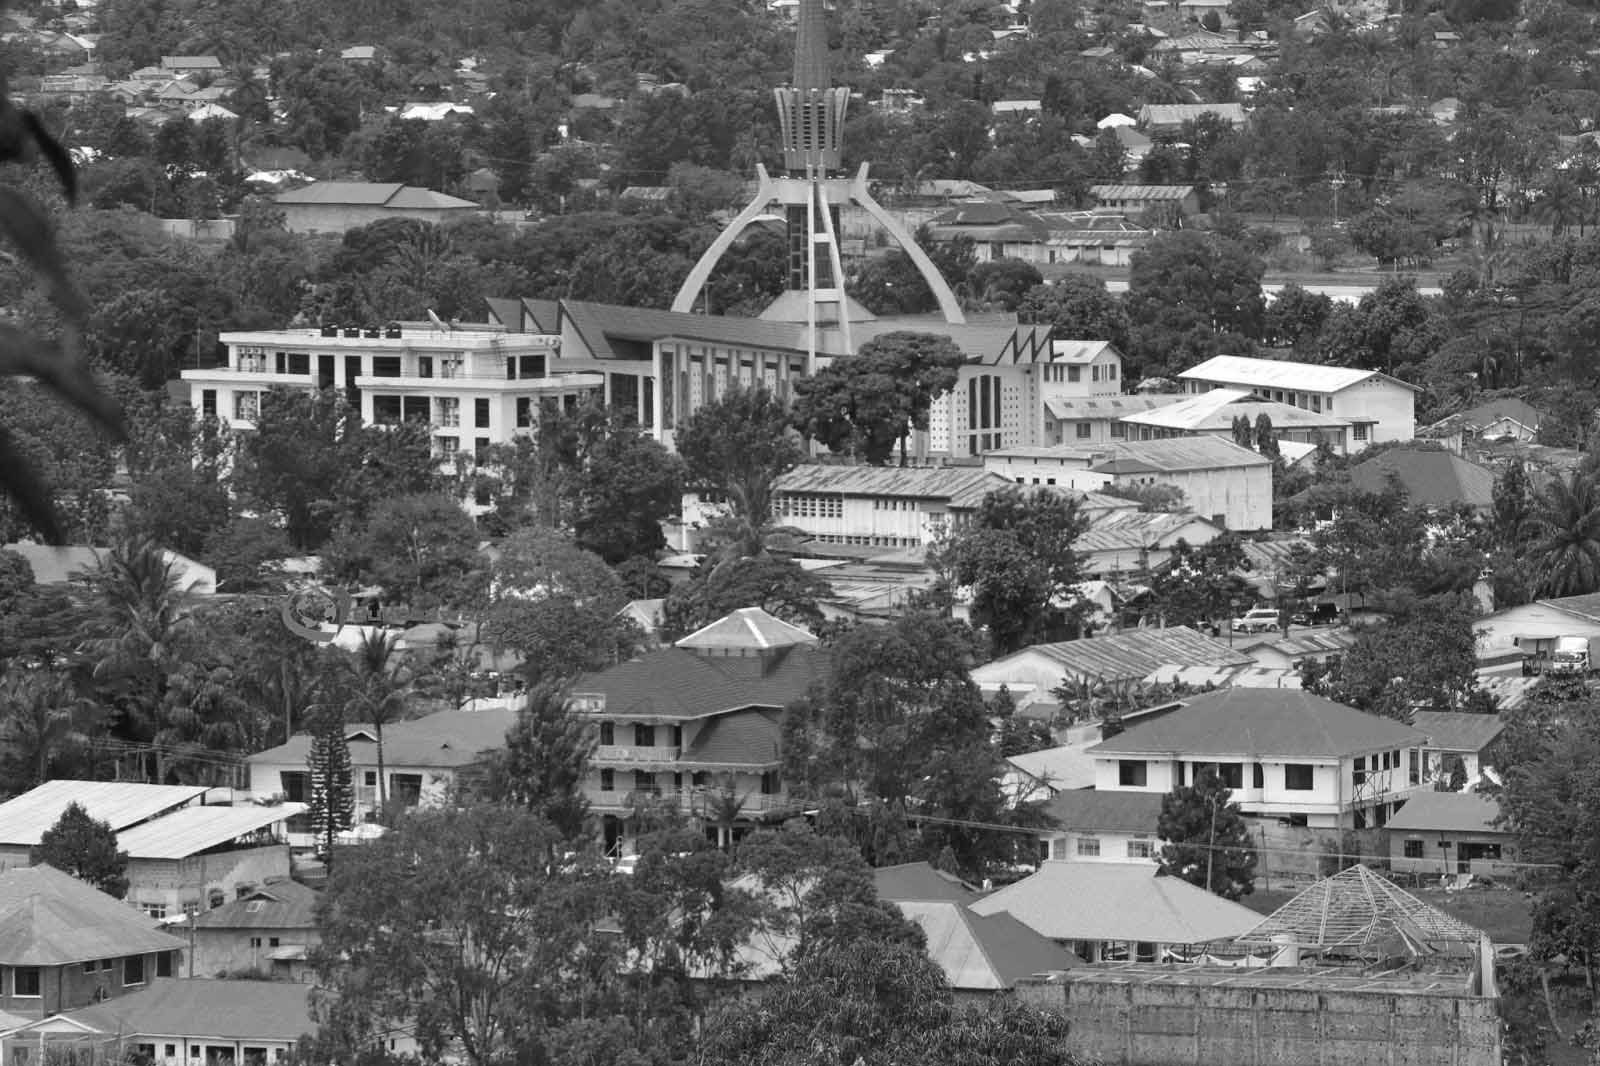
1449,812
194,829
748,628
49,918
1127,656
1458,730
979,952
1282,374
120,804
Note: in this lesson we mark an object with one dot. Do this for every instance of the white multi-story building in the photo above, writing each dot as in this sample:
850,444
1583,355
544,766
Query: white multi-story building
1379,408
1284,753
474,385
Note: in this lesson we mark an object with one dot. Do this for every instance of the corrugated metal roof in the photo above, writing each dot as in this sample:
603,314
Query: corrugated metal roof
1216,410
1064,767
1255,723
987,953
1310,642
1178,454
748,627
598,323
206,1008
1125,530
1117,901
1146,193
1125,656
426,199
276,905
121,804
963,486
1097,407
1178,114
1282,374
1458,812
1457,730
1106,812
48,918
194,829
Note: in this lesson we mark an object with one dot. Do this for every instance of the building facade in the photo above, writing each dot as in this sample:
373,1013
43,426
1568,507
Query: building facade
1380,408
473,386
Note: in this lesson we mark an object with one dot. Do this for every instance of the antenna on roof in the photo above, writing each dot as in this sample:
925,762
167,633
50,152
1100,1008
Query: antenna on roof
439,323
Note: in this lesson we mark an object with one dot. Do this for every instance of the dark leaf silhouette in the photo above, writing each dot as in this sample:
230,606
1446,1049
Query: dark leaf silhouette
23,139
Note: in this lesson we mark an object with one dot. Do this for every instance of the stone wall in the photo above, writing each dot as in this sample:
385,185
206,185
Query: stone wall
1261,1021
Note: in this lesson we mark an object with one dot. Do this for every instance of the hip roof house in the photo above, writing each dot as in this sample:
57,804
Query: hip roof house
336,206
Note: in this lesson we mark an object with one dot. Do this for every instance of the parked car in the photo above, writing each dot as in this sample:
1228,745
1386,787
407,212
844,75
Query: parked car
1316,614
1257,620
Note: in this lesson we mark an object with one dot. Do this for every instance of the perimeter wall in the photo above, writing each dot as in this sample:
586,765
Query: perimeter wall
1134,1023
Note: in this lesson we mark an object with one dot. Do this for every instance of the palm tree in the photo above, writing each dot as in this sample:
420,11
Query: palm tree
1565,554
40,715
380,686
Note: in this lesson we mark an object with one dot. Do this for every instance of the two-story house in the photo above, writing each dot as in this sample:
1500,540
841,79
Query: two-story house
1378,407
696,726
65,944
1284,753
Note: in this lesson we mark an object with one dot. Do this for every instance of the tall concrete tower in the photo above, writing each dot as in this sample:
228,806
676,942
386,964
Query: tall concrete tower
811,114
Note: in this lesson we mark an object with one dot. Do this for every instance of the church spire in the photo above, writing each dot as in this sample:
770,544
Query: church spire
810,111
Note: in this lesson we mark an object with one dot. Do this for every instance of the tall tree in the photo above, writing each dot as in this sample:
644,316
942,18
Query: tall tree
333,796
865,405
735,448
421,550
1205,839
544,762
379,682
86,848
1017,557
42,721
456,920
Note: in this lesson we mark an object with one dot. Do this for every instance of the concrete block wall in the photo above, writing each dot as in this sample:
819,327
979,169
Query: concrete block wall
1137,1023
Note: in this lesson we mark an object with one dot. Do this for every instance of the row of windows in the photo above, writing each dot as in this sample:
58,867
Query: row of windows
644,736
1297,777
894,505
869,542
1306,401
1068,373
27,982
802,505
1089,848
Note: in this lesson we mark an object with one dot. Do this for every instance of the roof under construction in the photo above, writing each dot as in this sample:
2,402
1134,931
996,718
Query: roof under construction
1356,912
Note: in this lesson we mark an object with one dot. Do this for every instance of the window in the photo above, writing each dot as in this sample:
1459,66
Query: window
1074,372
208,403
25,982
770,785
1088,847
133,970
608,780
1058,848
386,366
1258,777
1084,430
299,362
424,366
644,736
246,406
1141,849
88,967
1111,372
1231,774
608,733
448,411
1416,774
272,941
385,409
154,910
448,445
524,412
171,1050
255,942
1119,431
1358,774
530,366
296,785
1132,773
1359,431
370,777
1297,777
644,781
480,413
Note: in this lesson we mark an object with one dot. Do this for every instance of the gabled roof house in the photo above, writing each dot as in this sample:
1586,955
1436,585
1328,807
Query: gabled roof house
1285,753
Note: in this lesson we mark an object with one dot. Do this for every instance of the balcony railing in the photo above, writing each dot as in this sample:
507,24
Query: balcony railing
633,753
702,801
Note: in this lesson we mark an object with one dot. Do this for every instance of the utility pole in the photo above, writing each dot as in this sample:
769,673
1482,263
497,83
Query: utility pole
1211,848
1337,182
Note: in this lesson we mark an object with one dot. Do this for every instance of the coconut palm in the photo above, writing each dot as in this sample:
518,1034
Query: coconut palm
380,687
1565,553
40,718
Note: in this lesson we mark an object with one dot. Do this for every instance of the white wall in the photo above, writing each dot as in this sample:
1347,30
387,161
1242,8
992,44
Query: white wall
1113,846
1394,407
1242,495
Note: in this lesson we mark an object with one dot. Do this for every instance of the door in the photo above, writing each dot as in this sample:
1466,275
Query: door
324,371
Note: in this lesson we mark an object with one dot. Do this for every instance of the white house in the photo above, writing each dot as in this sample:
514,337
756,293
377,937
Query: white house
1122,543
1380,408
1093,825
422,759
880,506
1219,479
474,386
1212,414
1285,753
